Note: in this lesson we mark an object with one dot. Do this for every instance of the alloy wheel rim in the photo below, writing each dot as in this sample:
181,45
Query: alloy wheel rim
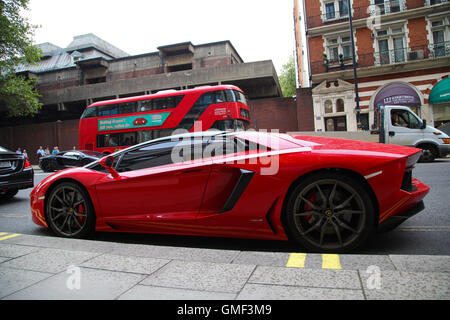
67,211
329,214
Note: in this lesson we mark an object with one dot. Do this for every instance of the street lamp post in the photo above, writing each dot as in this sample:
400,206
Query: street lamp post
355,75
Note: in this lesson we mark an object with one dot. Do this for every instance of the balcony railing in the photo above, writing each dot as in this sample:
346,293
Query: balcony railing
390,56
363,12
440,49
382,58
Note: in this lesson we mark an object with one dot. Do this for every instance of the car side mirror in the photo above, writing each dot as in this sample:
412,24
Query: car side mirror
107,163
424,123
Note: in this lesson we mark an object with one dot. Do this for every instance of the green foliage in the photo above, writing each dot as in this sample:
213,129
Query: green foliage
287,78
17,93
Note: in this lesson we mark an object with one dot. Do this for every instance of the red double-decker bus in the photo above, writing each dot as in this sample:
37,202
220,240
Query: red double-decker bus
107,126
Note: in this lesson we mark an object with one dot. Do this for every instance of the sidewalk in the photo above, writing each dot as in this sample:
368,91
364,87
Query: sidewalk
38,267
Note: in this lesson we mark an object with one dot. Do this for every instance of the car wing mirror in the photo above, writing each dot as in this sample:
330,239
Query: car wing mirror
107,163
424,123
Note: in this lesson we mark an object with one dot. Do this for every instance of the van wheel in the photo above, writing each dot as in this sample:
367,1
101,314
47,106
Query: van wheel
429,153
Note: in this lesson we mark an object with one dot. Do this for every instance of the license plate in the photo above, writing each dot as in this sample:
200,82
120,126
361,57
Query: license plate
5,164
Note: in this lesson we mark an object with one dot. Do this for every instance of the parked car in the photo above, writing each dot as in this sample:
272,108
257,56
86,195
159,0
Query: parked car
68,159
16,173
328,195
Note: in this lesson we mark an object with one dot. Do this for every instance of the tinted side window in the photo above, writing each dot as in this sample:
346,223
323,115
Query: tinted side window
150,156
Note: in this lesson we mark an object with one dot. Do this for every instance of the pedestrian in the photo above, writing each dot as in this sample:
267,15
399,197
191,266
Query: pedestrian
25,153
19,151
47,151
40,152
55,150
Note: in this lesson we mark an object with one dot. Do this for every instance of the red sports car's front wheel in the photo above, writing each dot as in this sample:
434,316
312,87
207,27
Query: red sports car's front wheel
69,211
330,212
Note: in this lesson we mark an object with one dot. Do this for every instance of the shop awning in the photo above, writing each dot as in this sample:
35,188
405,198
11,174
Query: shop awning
440,92
397,94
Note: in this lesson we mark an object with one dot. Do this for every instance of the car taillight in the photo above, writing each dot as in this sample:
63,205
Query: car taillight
412,160
27,164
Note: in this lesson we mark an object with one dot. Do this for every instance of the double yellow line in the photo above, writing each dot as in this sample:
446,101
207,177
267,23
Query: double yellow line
6,235
329,261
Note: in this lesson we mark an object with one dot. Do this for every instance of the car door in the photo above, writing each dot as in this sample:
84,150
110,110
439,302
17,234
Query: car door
157,182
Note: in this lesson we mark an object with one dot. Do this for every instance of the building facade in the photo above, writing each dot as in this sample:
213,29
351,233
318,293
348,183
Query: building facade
402,51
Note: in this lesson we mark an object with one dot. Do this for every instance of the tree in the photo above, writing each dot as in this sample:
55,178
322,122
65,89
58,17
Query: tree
18,96
287,78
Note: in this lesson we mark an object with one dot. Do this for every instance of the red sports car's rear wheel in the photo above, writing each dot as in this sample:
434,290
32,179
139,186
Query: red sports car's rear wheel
69,211
330,212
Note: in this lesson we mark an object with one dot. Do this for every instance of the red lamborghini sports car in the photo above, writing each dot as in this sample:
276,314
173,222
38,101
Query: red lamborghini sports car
328,195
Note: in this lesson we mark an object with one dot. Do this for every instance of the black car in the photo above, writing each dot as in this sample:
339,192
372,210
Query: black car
16,173
68,159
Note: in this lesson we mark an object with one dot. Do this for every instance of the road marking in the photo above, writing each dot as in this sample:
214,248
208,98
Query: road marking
331,261
2,233
296,260
8,236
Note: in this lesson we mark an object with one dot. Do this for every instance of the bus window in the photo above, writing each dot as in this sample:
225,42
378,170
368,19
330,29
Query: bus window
245,113
108,110
108,140
166,103
145,105
128,107
89,113
240,97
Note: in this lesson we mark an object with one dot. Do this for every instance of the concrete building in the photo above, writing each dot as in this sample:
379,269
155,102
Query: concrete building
402,52
90,69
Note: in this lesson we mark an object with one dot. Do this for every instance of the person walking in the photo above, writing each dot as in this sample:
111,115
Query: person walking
55,150
25,153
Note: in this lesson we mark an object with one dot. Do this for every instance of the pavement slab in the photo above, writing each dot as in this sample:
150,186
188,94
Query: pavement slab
94,284
399,285
201,276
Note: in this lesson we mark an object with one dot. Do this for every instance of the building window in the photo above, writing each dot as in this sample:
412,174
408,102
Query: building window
364,119
390,44
339,48
336,124
433,2
340,105
389,6
440,30
328,106
335,9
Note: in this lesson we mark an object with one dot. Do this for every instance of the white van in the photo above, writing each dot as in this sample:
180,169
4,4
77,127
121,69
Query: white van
399,125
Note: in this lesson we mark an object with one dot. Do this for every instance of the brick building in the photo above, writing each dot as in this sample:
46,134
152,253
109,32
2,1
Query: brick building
402,53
